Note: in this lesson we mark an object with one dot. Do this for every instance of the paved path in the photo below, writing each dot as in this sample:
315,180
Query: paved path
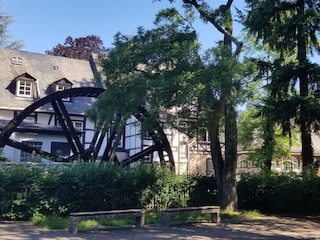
281,228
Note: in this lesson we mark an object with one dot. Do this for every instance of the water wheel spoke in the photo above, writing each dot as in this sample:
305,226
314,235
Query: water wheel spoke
67,126
29,149
107,150
97,142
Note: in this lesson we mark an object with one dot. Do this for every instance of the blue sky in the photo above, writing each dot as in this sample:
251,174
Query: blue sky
42,24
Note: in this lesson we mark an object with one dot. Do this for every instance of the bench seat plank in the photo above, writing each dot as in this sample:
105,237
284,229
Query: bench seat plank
79,216
213,210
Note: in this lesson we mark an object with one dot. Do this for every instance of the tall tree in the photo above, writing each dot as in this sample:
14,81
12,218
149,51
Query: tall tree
264,145
163,70
225,168
290,27
5,21
79,48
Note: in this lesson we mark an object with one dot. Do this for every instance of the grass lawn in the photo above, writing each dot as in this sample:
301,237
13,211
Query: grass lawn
51,222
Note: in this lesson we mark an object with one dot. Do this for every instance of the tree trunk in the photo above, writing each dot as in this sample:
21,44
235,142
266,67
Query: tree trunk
217,159
268,146
229,194
229,200
305,123
225,169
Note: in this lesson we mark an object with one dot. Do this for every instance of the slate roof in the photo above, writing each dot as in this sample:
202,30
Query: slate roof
34,128
46,70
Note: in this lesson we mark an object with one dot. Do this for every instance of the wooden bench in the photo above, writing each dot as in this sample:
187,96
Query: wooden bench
79,216
167,213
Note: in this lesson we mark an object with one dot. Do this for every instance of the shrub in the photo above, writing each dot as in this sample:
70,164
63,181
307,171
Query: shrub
204,191
58,190
279,193
19,191
166,190
82,187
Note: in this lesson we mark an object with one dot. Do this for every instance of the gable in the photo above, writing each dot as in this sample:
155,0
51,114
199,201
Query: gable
59,85
24,85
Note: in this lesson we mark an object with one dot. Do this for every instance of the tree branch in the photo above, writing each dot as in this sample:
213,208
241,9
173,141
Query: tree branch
212,20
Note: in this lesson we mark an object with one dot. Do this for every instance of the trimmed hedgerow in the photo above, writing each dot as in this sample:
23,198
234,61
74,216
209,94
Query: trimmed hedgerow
58,190
279,193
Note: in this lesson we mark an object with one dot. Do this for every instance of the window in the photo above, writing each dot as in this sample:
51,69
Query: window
61,87
24,88
183,148
203,135
16,60
244,162
30,157
286,164
78,126
60,149
289,164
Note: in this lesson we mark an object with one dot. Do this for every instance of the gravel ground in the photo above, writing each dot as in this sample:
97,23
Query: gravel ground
269,227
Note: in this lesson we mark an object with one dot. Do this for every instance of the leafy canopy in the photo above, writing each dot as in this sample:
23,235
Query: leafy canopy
79,48
162,70
5,21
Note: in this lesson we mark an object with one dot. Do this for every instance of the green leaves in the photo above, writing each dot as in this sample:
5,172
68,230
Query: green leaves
290,28
154,68
279,193
276,22
163,70
5,21
56,191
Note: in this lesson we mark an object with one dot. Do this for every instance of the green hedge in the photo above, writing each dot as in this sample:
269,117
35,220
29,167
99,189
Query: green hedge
279,193
27,190
19,191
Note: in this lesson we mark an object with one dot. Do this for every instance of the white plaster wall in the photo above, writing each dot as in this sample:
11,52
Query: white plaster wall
14,154
6,114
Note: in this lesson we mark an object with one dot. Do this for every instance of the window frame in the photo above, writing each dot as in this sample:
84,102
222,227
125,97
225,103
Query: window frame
62,87
30,157
75,123
57,146
16,60
183,150
23,92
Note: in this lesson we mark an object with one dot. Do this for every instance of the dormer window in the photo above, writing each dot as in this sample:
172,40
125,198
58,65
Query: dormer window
78,126
24,86
60,85
61,88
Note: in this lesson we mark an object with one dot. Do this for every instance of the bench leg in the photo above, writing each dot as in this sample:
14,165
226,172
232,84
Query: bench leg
73,226
165,219
215,217
140,221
